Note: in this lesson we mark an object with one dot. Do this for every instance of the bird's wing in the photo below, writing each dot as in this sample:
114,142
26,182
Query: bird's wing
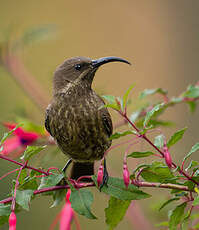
47,120
107,122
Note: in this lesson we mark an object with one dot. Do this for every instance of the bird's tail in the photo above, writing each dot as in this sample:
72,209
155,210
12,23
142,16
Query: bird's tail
82,169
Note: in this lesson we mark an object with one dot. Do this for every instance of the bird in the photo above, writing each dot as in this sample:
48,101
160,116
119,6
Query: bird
76,116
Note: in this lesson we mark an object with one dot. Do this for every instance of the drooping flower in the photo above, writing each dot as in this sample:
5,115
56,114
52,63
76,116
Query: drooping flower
100,175
167,156
126,176
12,221
15,145
65,216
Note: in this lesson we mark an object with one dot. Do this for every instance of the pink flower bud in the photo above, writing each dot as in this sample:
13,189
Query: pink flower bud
12,221
167,156
126,176
100,175
68,196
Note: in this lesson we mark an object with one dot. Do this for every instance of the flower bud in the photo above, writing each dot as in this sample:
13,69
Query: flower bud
12,221
68,196
126,176
100,175
167,156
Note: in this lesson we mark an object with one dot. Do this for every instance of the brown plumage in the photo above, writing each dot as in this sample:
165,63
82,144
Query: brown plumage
76,116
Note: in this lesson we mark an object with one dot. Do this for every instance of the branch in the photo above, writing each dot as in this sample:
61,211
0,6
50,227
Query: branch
159,185
53,188
143,136
92,184
26,166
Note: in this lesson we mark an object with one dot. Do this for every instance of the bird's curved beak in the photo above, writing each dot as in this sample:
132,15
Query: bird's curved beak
101,61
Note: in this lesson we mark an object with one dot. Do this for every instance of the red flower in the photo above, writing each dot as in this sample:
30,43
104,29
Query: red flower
167,156
65,216
16,144
126,176
100,175
12,221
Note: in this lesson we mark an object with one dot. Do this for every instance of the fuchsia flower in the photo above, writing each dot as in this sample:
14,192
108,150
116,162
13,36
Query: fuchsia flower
16,144
65,216
12,221
126,176
100,175
167,156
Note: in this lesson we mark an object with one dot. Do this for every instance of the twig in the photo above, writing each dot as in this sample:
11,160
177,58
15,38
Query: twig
159,185
92,184
21,164
160,151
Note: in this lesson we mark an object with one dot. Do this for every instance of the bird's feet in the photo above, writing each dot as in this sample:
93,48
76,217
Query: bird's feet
105,176
66,165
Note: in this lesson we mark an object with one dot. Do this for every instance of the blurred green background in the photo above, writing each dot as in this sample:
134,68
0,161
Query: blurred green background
160,39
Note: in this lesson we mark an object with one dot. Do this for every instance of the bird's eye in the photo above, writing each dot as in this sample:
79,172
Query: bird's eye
78,66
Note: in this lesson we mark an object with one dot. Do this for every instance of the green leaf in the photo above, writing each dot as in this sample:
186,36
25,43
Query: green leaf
112,103
115,211
116,188
120,134
152,112
159,141
163,224
140,154
31,127
58,196
28,181
112,106
192,106
23,175
125,97
176,216
139,167
5,209
191,165
193,149
157,172
109,98
176,100
168,202
23,198
135,115
31,151
50,180
6,135
81,200
196,201
176,137
192,92
157,123
147,92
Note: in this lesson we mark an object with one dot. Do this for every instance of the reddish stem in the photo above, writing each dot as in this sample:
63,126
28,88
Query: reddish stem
53,188
91,184
5,175
21,164
15,190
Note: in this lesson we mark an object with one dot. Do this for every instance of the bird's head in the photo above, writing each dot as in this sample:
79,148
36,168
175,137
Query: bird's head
79,70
